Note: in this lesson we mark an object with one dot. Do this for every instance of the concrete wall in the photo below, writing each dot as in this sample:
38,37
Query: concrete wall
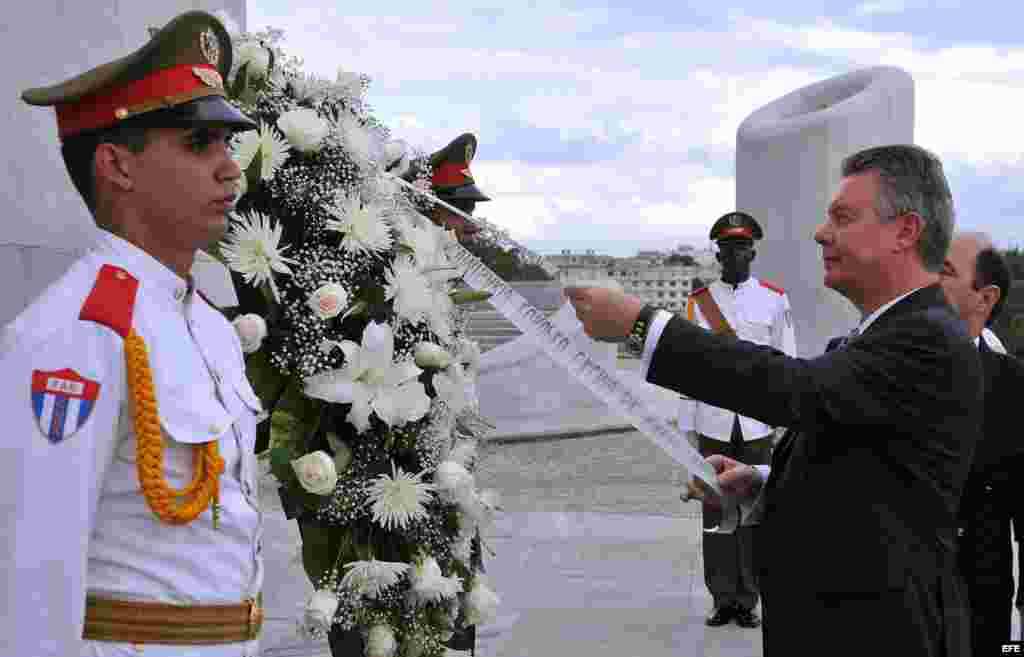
45,223
788,157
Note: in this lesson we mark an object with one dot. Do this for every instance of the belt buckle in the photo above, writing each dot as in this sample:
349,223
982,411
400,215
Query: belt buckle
255,618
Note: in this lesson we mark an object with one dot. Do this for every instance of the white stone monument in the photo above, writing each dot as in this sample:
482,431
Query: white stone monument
788,157
45,222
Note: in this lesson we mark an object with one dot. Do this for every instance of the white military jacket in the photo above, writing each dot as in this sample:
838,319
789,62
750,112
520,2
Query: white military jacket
759,312
74,518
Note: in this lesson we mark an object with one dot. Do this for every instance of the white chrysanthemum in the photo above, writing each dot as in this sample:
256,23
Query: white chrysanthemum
371,577
304,129
364,226
381,642
450,385
308,88
348,84
410,290
398,500
464,453
429,585
453,481
271,147
356,138
372,382
318,614
252,249
481,603
425,245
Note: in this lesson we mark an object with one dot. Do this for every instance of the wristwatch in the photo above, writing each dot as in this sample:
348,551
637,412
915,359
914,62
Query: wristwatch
638,336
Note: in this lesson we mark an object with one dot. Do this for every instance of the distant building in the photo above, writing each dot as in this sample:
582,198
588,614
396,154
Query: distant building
646,275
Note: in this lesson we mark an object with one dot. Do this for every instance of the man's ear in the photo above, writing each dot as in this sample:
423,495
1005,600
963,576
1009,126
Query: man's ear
990,297
114,164
911,229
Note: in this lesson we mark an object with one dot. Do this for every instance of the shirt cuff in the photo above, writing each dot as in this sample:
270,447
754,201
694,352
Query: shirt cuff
658,323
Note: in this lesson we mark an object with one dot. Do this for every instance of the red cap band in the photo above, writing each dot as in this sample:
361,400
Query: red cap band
102,109
451,174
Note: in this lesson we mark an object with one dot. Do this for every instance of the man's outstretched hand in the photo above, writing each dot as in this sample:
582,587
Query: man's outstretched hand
737,480
606,314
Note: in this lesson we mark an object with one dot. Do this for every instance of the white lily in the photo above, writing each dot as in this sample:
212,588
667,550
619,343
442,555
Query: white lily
372,382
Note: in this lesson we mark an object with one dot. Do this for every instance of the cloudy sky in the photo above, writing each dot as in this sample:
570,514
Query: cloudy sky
612,127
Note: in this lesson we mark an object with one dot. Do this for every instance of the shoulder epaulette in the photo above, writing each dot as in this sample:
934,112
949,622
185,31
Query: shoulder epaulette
699,291
112,300
773,287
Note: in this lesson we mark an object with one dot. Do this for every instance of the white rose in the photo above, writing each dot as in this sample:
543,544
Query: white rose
481,604
256,56
328,301
316,472
251,330
380,642
304,129
319,612
428,354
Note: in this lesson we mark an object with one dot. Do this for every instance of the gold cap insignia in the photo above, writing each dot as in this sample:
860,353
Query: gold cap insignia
208,77
735,220
469,152
209,45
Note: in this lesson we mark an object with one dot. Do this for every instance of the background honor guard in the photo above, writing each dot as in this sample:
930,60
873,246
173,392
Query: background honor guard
130,513
453,183
757,311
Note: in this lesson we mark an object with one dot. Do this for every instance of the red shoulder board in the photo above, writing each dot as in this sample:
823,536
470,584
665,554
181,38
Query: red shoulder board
772,287
112,300
700,291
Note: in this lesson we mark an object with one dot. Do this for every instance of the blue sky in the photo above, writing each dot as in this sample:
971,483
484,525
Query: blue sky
612,127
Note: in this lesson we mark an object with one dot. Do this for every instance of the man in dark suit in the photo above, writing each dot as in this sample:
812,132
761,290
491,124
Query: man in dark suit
976,279
858,511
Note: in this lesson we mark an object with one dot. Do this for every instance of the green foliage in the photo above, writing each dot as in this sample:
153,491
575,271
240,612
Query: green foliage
506,263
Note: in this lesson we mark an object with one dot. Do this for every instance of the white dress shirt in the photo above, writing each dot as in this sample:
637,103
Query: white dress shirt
758,314
75,521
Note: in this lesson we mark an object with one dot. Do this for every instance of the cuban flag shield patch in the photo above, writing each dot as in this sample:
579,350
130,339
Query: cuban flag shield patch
62,401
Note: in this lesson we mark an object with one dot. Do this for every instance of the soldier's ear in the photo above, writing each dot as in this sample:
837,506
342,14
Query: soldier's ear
114,165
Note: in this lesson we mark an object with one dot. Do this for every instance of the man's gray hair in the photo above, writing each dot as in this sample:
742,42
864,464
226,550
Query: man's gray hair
911,181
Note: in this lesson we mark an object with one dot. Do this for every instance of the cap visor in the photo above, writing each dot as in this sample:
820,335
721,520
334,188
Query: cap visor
468,192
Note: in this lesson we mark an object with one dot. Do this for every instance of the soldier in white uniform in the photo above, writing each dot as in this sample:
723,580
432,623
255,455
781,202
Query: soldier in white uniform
131,523
758,311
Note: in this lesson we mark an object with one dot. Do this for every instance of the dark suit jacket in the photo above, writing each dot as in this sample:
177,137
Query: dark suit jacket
866,484
991,496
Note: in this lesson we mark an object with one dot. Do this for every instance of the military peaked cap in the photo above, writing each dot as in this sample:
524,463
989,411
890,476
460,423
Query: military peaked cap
736,225
175,80
452,180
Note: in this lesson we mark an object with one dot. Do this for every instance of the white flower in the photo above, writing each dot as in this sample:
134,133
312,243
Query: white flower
410,290
364,227
428,354
425,245
319,612
328,301
450,385
271,147
453,481
399,499
251,330
307,88
462,548
396,157
316,472
356,138
342,452
481,603
381,642
251,249
255,55
371,382
464,453
304,129
348,84
429,585
371,577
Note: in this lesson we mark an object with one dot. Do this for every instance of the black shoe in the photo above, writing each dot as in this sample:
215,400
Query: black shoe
720,616
746,618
